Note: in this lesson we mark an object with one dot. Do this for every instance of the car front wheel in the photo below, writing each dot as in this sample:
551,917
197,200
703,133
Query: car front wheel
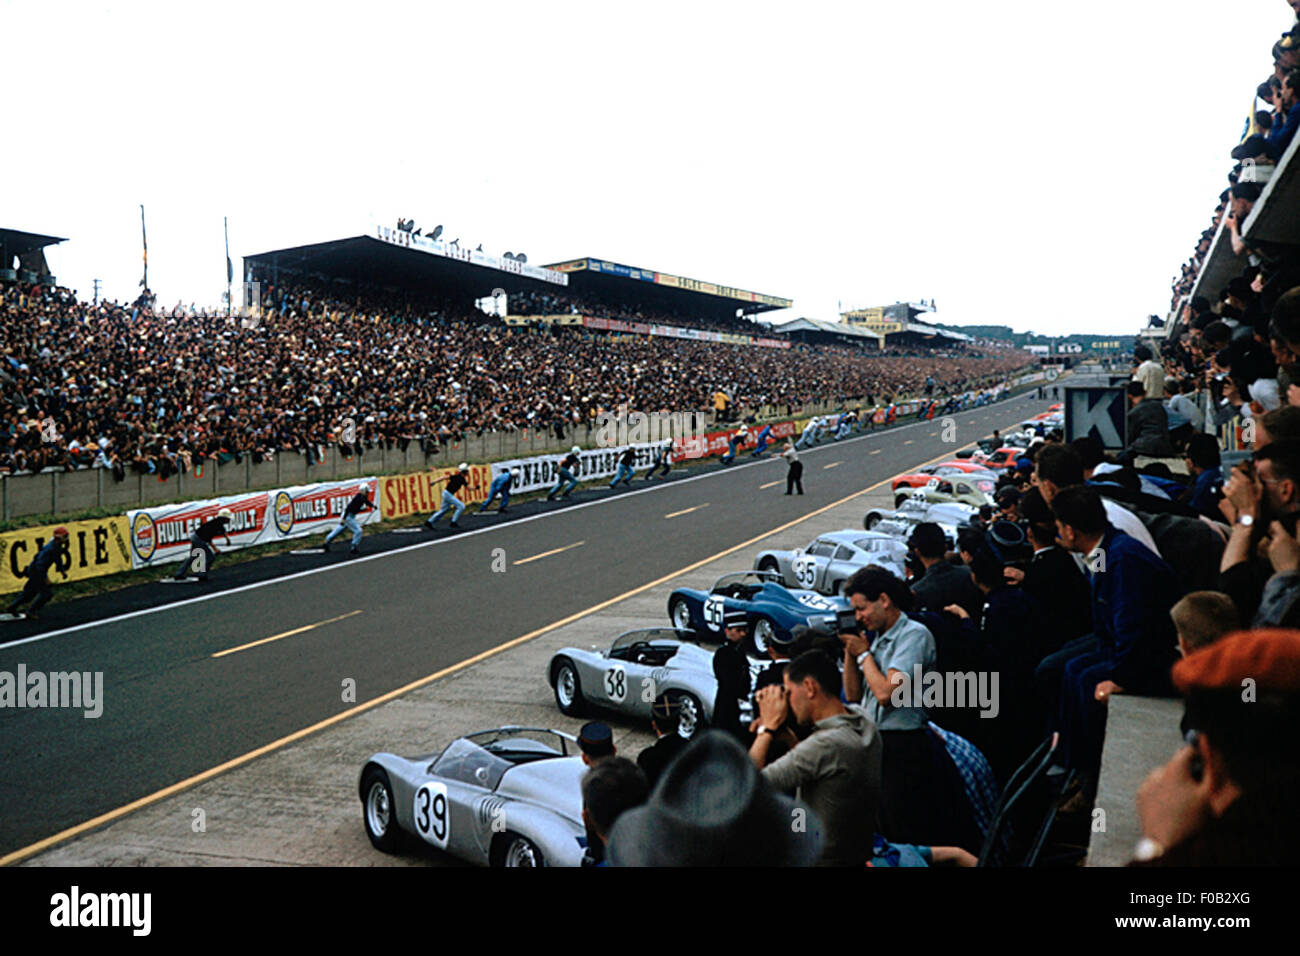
380,811
761,636
680,614
871,520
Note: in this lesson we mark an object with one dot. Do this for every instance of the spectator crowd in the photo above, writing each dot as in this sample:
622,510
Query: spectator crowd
135,389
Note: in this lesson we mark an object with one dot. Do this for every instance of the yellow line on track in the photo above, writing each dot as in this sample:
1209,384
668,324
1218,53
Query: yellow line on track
547,554
276,637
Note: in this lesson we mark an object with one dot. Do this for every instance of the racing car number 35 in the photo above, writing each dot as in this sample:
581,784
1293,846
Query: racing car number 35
805,571
432,821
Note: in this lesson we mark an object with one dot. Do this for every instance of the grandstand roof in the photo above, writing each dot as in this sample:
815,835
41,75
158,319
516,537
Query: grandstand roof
389,257
15,242
613,281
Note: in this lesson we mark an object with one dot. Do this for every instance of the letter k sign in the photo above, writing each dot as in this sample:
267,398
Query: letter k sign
1087,416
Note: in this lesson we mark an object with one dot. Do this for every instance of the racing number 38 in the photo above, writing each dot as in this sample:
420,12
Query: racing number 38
432,819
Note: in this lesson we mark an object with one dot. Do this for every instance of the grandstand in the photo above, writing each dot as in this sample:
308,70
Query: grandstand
22,256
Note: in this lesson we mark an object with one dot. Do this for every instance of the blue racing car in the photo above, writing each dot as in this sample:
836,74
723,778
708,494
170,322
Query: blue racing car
770,608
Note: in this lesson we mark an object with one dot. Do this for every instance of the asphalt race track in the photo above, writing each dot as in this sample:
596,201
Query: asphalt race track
409,606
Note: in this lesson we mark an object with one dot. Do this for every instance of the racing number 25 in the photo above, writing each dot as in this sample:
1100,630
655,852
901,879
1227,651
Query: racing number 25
432,819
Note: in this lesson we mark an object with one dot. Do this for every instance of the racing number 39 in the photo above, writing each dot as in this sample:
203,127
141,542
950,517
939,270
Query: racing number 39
432,820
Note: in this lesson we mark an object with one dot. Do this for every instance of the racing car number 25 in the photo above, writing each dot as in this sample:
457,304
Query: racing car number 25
432,821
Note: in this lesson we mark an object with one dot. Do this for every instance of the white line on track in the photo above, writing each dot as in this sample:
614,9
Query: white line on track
356,562
686,511
834,464
768,485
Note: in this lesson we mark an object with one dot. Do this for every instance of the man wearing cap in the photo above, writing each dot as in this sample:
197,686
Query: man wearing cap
836,770
731,670
736,441
37,574
596,741
202,551
1228,797
566,479
360,502
455,482
663,459
665,713
501,485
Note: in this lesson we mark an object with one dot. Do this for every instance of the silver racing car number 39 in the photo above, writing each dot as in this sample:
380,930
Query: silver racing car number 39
432,816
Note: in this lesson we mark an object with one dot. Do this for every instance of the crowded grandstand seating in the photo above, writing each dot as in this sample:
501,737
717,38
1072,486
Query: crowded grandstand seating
156,391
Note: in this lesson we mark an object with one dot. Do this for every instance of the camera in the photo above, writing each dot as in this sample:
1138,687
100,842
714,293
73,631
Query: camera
846,622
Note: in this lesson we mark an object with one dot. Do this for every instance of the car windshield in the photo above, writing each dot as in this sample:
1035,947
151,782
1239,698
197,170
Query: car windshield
878,545
743,580
646,635
482,759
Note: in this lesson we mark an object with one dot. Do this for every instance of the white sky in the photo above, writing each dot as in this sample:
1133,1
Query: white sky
1030,163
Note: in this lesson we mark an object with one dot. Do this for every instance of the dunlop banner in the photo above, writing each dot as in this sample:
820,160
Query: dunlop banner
95,547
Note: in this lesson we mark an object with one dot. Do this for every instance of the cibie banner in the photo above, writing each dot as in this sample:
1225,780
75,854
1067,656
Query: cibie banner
94,547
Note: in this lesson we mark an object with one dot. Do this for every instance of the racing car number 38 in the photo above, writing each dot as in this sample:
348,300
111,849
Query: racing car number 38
432,821
616,683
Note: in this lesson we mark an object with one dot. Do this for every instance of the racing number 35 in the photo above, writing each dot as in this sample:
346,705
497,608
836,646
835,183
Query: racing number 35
432,819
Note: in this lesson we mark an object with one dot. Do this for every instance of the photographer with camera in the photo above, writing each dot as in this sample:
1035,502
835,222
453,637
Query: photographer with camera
1260,492
1228,797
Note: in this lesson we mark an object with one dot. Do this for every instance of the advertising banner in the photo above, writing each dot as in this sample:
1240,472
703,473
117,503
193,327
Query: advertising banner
162,534
307,509
94,547
421,491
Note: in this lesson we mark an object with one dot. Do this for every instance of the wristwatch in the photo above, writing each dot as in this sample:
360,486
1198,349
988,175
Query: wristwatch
764,729
1245,520
863,656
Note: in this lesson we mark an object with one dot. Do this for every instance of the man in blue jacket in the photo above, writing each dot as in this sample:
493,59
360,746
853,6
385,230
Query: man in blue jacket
1132,593
37,574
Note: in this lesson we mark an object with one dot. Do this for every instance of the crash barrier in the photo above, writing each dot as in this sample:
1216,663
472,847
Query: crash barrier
162,534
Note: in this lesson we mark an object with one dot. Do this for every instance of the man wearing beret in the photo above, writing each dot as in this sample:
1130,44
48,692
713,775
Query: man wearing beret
1228,797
